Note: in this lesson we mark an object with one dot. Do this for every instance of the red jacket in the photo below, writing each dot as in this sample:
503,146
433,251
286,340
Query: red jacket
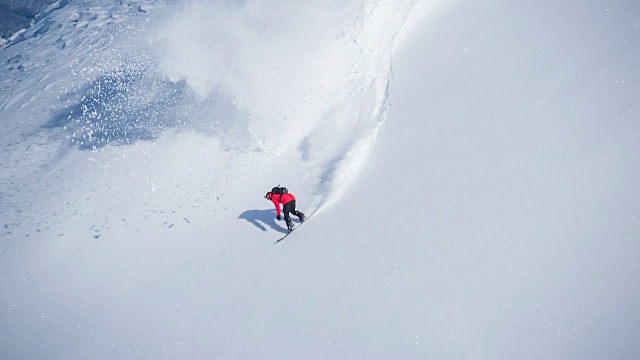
281,199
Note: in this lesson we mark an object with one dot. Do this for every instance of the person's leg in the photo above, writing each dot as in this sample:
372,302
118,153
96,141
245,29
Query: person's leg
297,213
287,209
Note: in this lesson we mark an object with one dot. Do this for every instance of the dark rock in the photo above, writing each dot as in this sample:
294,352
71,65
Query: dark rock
17,14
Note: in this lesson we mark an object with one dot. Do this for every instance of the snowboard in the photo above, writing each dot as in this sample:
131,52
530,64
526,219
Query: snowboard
292,231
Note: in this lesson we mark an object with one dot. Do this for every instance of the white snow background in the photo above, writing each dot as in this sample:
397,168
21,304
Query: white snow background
471,168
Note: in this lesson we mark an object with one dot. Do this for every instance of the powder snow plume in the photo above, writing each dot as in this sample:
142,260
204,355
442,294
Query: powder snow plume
317,72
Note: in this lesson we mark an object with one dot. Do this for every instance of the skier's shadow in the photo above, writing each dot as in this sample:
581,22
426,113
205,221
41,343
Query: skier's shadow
258,217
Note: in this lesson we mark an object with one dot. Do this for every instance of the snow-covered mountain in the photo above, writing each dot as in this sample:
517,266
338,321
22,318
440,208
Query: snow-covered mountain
16,15
470,169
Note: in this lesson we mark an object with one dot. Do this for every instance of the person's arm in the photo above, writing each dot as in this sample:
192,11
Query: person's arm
277,204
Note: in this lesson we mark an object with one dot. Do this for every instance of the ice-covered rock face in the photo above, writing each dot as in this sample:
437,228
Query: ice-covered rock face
17,14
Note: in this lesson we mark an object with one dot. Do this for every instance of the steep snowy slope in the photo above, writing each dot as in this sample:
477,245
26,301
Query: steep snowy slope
133,217
502,199
496,217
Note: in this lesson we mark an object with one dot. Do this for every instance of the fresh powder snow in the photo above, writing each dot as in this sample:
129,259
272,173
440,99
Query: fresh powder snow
471,169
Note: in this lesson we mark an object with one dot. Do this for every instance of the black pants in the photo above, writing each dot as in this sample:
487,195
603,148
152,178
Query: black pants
287,208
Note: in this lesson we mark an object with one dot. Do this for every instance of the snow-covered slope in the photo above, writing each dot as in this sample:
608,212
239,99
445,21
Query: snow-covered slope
495,217
502,199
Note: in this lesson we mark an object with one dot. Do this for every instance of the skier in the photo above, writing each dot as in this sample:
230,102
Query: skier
288,201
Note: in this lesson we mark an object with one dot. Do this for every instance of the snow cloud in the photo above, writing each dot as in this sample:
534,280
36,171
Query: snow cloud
268,58
317,71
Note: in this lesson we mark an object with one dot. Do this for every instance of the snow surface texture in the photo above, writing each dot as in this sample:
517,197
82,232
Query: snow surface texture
18,14
496,216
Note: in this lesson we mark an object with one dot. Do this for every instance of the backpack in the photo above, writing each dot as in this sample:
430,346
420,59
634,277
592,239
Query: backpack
279,190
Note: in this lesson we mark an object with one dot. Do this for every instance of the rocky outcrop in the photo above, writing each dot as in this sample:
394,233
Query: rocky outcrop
17,14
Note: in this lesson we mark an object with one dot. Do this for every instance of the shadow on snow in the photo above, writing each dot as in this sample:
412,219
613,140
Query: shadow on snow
260,217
